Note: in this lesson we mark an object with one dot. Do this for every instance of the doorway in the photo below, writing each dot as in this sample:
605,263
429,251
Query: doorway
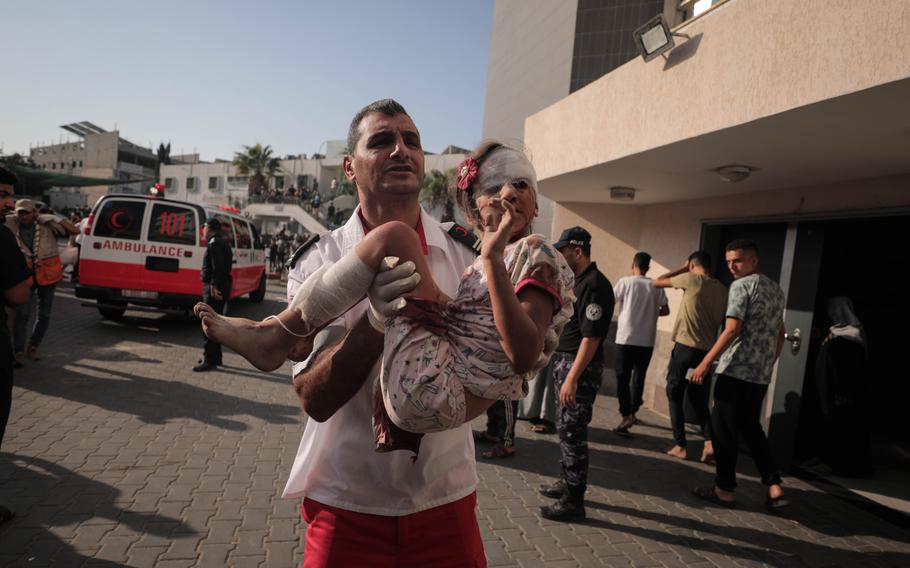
859,261
814,261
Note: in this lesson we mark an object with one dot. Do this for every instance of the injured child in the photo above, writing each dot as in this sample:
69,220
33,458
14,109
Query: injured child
445,360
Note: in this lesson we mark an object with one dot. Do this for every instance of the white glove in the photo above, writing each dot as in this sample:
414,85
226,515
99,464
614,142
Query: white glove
390,283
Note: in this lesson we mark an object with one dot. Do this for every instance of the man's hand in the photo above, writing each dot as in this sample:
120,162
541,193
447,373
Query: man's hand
567,393
216,293
699,374
387,289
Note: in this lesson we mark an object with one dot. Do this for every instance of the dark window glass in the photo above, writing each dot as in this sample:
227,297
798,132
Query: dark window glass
242,233
173,224
227,229
120,219
257,238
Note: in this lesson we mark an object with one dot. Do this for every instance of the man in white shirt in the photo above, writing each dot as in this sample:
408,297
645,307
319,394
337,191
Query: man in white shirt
365,508
640,306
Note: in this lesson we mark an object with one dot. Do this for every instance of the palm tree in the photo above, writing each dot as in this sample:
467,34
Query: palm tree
436,194
164,157
258,163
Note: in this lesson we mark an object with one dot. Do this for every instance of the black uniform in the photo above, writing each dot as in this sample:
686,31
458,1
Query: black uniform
593,312
13,270
216,271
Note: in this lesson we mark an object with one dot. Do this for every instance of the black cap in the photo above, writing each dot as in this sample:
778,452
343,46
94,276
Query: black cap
576,236
213,224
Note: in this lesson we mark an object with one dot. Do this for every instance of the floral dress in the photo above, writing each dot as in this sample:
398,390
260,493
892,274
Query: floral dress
434,352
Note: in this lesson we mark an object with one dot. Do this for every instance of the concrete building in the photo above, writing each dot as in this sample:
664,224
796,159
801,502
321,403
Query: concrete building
99,154
219,184
784,121
541,51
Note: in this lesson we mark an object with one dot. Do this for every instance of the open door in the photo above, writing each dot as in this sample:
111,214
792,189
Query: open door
790,254
800,269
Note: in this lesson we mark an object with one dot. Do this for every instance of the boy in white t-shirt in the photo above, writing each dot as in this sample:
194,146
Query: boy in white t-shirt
640,306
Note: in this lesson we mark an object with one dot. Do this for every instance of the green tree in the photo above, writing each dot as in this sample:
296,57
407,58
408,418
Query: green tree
164,157
258,163
436,193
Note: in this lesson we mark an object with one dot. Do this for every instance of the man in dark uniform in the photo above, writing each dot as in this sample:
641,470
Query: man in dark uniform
577,368
15,285
216,286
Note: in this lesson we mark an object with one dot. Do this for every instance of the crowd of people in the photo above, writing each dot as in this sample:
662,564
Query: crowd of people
280,246
404,329
506,324
312,200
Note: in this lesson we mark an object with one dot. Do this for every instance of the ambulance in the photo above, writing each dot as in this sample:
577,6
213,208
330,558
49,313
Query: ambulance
145,253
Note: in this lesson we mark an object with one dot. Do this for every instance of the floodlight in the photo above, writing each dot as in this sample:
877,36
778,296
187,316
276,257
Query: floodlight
654,38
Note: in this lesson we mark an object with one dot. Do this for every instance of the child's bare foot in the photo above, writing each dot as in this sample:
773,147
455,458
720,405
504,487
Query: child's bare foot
258,342
678,452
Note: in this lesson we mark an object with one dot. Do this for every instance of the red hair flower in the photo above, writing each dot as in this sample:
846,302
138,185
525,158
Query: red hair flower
467,173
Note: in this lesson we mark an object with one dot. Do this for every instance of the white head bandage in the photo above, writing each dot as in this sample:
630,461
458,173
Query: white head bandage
501,166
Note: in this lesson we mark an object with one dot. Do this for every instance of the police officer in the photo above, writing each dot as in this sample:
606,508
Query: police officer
216,286
577,367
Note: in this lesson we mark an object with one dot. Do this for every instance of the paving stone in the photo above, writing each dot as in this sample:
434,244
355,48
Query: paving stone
115,547
122,455
142,556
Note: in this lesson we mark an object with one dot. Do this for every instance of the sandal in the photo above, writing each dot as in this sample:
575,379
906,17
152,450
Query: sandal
708,494
772,504
499,451
486,438
542,429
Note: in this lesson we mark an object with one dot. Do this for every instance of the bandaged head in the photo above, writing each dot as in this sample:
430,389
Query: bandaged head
487,170
500,166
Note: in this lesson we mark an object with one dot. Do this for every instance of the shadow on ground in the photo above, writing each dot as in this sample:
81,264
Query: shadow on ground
155,401
45,496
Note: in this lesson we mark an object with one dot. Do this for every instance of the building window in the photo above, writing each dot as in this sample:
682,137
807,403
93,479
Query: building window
279,182
80,163
213,183
53,165
169,183
190,184
238,180
74,163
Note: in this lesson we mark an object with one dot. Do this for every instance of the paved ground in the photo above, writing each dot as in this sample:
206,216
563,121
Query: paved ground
117,455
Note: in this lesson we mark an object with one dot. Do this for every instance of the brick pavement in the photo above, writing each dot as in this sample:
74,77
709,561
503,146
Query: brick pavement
118,455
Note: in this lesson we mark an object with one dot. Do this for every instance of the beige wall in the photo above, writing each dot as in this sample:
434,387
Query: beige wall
670,232
530,62
751,60
530,67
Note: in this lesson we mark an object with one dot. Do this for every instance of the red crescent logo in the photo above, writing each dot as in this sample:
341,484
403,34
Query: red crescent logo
115,220
461,230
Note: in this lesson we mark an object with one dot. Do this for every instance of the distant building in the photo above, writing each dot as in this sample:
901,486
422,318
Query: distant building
219,183
101,154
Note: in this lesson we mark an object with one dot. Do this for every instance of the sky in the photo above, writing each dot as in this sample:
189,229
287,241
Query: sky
211,76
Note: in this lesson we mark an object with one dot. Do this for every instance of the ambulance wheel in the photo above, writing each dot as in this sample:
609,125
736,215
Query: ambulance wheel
111,313
258,295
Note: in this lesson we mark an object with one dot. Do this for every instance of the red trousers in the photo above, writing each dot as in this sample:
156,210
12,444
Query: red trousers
443,537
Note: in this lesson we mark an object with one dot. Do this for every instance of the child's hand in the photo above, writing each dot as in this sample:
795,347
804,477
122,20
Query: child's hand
498,222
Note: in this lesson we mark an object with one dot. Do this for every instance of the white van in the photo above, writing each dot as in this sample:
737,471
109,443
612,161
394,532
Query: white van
146,252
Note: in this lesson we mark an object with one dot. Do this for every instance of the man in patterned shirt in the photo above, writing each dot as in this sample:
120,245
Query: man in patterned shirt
747,348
